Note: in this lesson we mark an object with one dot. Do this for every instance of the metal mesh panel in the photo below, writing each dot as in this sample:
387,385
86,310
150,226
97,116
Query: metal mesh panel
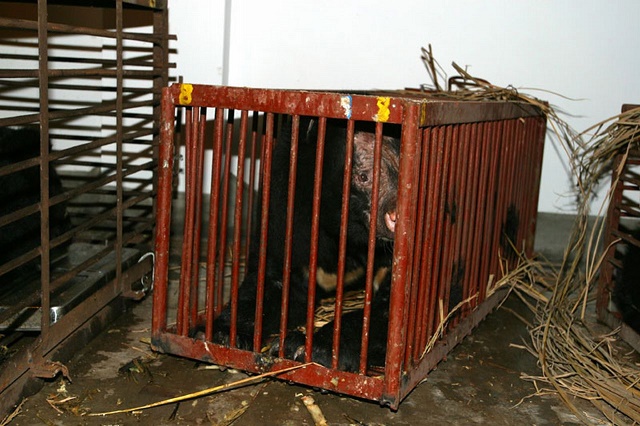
79,124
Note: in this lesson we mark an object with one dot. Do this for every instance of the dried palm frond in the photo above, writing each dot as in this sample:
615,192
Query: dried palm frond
575,361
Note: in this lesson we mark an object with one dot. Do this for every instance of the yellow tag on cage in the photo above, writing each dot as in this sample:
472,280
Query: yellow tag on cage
383,109
185,94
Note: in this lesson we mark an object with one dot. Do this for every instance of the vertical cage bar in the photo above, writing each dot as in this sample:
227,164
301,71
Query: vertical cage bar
500,205
163,218
342,244
495,138
252,179
199,128
264,218
514,176
288,243
237,218
433,207
536,141
452,210
470,221
523,168
417,308
483,162
186,274
224,225
43,77
119,143
530,149
368,294
511,198
463,218
440,231
402,254
214,292
422,271
315,226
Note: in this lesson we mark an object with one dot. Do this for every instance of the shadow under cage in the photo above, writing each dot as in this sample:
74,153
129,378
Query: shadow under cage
362,231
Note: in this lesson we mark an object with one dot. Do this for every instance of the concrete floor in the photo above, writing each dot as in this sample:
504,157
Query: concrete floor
479,383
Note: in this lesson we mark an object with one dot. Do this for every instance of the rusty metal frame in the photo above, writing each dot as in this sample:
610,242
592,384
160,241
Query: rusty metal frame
620,206
462,165
56,341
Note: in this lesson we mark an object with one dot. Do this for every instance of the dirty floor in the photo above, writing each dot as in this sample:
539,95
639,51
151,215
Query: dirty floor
479,383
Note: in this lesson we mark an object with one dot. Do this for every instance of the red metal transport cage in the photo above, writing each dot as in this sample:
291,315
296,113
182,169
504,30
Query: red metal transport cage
467,187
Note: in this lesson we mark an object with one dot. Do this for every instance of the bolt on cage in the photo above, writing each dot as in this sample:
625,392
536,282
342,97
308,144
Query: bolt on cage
621,229
468,178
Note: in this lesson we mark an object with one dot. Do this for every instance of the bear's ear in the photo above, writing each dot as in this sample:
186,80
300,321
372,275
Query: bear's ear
363,147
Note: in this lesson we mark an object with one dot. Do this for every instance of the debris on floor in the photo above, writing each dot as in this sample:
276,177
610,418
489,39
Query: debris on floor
479,382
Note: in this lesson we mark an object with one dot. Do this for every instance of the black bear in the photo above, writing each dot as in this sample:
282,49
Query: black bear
626,291
359,214
21,189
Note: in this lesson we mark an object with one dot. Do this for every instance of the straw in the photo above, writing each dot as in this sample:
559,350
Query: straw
574,361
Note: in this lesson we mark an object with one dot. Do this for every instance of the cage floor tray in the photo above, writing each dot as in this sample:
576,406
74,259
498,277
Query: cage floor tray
70,295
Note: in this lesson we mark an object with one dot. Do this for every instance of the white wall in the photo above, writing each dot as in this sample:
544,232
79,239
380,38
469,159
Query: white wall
199,26
584,49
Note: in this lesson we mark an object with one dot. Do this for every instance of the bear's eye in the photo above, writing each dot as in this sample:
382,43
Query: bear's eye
362,177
